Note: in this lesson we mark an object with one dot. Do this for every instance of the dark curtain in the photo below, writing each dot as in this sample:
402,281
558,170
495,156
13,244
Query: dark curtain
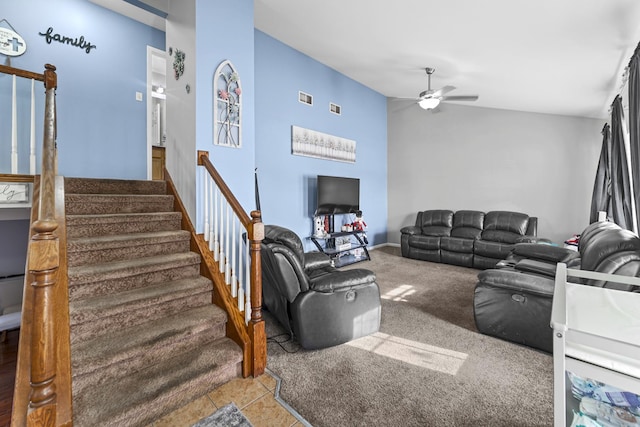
620,185
602,187
634,124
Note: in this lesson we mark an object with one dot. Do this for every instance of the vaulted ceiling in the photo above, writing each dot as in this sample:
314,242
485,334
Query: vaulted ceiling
549,56
560,57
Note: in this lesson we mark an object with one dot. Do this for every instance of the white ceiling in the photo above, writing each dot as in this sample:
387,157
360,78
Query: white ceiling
550,56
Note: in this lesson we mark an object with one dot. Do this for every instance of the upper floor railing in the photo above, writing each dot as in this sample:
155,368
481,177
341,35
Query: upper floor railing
21,144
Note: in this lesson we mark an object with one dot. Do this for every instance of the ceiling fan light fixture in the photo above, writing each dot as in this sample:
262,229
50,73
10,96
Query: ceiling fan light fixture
429,103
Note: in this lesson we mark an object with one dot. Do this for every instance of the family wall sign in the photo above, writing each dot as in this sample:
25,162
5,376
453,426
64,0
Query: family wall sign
79,42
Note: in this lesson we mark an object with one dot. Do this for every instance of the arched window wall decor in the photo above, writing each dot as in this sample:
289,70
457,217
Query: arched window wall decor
227,106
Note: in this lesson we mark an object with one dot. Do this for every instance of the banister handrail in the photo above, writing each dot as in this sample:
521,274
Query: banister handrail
249,298
203,160
23,73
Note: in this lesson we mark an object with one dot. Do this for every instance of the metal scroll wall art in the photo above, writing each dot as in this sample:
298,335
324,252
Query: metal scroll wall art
227,106
310,143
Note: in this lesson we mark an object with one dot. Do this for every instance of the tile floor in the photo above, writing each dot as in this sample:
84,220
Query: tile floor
255,397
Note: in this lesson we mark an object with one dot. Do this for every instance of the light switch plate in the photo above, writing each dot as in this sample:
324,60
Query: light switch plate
138,96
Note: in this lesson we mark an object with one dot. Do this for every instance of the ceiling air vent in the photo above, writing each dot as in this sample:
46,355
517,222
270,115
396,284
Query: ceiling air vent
305,98
334,108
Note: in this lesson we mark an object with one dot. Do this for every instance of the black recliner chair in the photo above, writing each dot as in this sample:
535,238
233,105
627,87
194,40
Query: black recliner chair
320,305
513,301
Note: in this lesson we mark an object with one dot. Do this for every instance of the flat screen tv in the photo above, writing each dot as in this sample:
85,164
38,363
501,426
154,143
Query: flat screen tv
337,195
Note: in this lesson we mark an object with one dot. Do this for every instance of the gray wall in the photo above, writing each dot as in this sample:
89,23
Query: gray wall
464,157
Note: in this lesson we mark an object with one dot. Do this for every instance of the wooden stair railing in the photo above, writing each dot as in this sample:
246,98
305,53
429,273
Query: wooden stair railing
230,247
42,393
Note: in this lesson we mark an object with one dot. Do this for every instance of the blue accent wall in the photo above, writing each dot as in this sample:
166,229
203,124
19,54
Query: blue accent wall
224,31
288,183
101,127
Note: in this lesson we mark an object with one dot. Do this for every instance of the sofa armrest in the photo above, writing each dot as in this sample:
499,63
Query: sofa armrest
543,252
544,268
342,280
411,229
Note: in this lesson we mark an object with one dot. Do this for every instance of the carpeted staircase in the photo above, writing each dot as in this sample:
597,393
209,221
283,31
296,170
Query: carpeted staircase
145,336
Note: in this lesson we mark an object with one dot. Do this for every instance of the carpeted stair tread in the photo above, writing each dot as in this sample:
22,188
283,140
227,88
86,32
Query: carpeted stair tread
117,269
90,309
86,204
110,224
112,186
142,397
133,342
92,250
137,305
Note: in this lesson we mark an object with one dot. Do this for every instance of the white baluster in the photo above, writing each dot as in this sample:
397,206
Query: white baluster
205,184
14,129
234,249
216,243
221,261
246,283
32,141
212,189
247,298
241,260
227,249
241,298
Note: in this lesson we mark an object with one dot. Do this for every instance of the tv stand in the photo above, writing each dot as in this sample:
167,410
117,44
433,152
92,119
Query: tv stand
342,255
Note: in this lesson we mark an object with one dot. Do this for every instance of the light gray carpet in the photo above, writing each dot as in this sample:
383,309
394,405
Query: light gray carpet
227,416
428,366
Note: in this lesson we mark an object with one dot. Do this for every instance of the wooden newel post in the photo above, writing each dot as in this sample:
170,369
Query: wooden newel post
256,326
43,264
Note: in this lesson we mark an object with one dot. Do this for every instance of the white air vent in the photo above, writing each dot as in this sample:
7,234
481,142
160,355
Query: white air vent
334,108
305,98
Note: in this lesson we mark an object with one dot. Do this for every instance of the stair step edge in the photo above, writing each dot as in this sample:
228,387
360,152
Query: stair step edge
124,343
123,267
91,308
187,375
115,241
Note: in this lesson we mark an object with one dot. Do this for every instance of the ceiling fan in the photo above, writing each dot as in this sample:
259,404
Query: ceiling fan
430,99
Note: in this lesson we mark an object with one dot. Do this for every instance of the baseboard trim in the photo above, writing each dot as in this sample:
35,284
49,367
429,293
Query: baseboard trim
382,245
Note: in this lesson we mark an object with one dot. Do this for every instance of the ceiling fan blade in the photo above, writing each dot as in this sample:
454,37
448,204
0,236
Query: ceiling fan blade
443,90
396,99
460,98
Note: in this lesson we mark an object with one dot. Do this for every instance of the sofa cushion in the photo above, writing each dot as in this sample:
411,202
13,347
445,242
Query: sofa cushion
513,222
456,244
424,242
435,222
500,236
467,224
489,249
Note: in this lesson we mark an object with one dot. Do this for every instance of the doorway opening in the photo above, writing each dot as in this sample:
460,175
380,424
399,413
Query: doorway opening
156,112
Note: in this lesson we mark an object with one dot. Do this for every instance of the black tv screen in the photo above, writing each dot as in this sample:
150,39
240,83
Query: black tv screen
337,195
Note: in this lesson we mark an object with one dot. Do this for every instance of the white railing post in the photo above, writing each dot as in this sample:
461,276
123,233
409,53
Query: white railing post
212,189
216,234
234,249
14,128
205,184
221,261
247,279
32,140
227,267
